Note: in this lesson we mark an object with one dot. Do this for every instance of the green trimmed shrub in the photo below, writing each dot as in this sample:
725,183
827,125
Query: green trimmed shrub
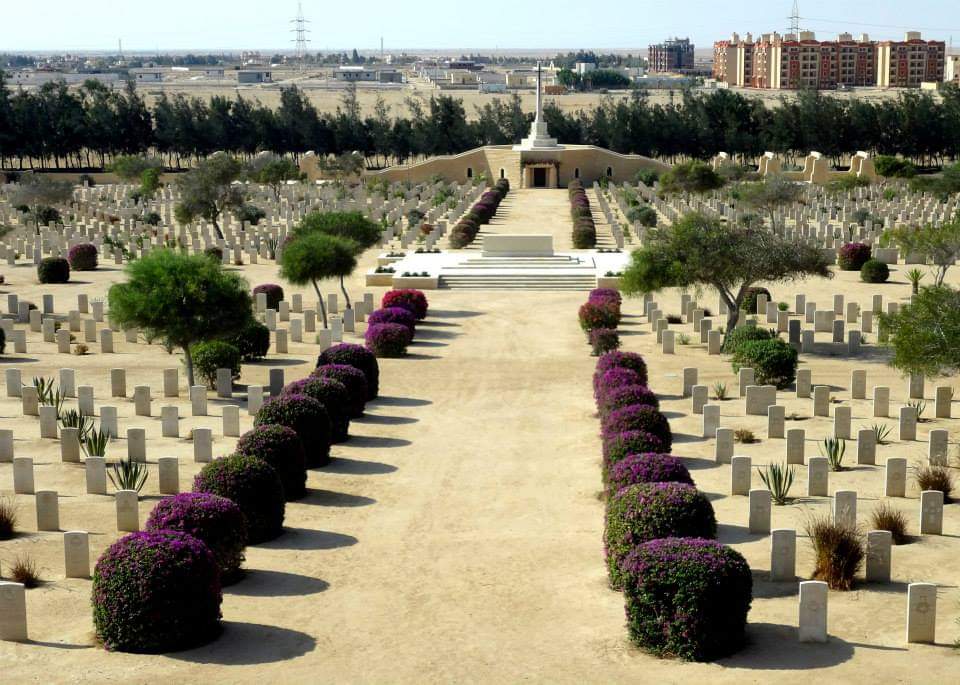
774,362
687,597
749,302
210,355
874,271
252,341
53,270
648,511
254,486
744,334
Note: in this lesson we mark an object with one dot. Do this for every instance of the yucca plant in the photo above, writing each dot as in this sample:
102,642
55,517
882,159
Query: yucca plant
720,390
779,479
44,388
95,444
77,419
920,406
128,475
683,339
881,432
915,276
834,449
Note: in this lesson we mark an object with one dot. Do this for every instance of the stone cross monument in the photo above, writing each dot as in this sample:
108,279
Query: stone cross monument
539,138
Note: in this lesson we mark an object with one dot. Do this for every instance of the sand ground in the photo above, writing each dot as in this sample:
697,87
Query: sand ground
457,536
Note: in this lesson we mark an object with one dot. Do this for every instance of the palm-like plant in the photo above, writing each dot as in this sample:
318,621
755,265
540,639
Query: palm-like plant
128,475
720,390
881,432
779,479
919,406
77,419
834,449
915,276
95,444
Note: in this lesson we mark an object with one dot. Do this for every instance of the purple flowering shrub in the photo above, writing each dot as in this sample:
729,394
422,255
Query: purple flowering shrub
156,591
618,446
648,511
354,380
53,270
280,447
83,257
687,597
408,298
273,292
398,315
332,395
639,417
387,339
619,360
600,295
603,315
625,396
603,340
649,467
358,357
307,417
852,256
215,521
612,380
253,485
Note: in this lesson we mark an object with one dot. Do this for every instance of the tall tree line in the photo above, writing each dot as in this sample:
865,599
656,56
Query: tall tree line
56,127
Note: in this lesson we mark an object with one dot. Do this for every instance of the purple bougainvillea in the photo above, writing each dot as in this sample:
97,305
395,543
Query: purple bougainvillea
387,339
273,292
156,591
687,597
332,395
213,520
611,380
619,446
281,447
408,298
622,360
354,380
639,417
253,485
83,257
649,467
399,315
307,417
647,511
358,357
852,256
625,396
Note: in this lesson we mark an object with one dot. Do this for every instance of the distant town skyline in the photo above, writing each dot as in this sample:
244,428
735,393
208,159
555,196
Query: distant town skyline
221,25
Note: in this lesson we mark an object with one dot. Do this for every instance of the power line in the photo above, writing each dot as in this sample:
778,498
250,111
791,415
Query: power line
885,26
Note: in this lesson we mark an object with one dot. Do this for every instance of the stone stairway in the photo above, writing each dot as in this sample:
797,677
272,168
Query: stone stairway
521,273
605,239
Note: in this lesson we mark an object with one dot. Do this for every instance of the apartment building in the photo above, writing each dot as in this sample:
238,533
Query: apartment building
910,62
675,54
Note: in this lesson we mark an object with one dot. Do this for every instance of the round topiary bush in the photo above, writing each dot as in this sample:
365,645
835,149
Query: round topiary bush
215,521
253,485
397,315
749,301
774,362
3,341
639,417
354,380
613,379
603,340
874,271
210,355
387,339
307,417
687,597
619,360
156,592
603,315
852,256
625,396
619,446
650,467
648,511
358,357
53,270
281,447
605,296
252,341
83,257
412,300
743,334
332,395
273,292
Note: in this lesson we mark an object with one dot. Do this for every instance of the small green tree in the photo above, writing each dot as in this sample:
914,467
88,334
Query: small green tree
130,168
939,243
248,214
38,193
770,194
691,177
275,172
312,256
924,333
353,226
208,190
180,299
698,251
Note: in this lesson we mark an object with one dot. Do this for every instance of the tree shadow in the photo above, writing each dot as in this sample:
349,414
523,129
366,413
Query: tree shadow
306,538
436,324
59,645
377,441
267,583
771,646
416,355
388,401
328,498
17,360
357,467
250,644
384,420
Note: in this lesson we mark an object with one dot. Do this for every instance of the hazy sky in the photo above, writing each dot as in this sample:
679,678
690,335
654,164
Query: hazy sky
444,24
